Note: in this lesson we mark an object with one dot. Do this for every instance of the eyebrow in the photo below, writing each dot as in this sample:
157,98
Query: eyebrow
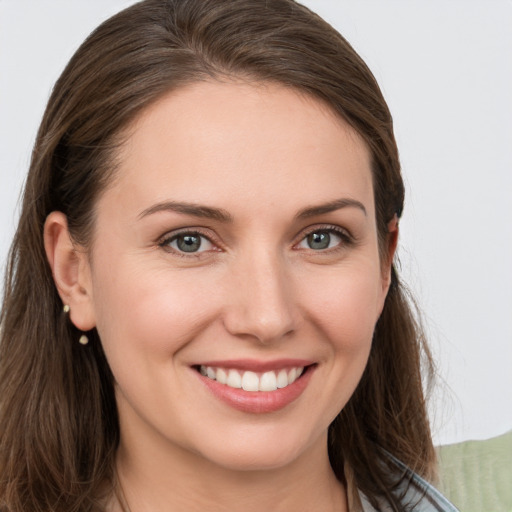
331,206
193,209
221,215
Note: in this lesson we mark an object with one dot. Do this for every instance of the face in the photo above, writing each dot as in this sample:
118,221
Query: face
237,246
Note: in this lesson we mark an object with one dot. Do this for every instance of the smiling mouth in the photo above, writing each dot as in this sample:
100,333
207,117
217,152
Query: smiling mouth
253,381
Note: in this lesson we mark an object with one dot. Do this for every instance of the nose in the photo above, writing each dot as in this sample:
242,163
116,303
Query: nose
261,302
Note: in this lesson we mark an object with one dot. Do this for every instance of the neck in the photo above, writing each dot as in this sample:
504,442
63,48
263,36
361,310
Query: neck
175,479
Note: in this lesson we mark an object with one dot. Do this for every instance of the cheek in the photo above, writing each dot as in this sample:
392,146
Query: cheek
149,310
345,304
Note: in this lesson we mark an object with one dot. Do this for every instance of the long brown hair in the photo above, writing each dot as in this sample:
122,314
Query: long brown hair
58,421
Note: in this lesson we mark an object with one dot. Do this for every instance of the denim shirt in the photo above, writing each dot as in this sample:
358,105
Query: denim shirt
417,495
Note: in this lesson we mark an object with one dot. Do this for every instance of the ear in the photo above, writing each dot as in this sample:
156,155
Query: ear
70,270
391,244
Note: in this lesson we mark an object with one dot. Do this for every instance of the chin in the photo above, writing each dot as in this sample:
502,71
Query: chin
259,455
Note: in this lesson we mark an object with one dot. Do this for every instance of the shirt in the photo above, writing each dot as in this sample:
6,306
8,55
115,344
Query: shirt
416,494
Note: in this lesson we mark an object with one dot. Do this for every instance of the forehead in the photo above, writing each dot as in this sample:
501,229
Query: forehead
227,141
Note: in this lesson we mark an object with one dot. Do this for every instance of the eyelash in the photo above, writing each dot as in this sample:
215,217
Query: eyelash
347,240
165,242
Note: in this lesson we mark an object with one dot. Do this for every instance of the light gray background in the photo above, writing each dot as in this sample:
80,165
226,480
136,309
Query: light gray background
446,71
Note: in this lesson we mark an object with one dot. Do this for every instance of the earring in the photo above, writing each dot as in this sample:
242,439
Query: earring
83,340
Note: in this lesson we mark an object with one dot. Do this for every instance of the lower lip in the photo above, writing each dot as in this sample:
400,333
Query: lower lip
258,402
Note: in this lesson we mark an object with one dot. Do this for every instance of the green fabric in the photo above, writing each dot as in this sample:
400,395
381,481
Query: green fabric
477,475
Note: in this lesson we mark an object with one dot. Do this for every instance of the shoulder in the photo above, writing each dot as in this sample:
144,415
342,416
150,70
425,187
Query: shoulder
415,494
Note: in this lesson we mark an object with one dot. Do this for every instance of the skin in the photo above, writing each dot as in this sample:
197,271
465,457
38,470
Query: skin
256,290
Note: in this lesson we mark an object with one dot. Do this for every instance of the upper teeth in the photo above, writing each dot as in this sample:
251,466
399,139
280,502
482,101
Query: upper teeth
252,381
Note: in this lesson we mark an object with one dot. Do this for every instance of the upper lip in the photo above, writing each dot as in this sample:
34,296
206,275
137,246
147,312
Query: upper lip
256,365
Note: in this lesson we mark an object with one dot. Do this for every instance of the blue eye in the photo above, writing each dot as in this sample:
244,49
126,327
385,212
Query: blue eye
189,243
321,239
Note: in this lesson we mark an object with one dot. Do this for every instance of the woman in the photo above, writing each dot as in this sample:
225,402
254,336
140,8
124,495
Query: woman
201,309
